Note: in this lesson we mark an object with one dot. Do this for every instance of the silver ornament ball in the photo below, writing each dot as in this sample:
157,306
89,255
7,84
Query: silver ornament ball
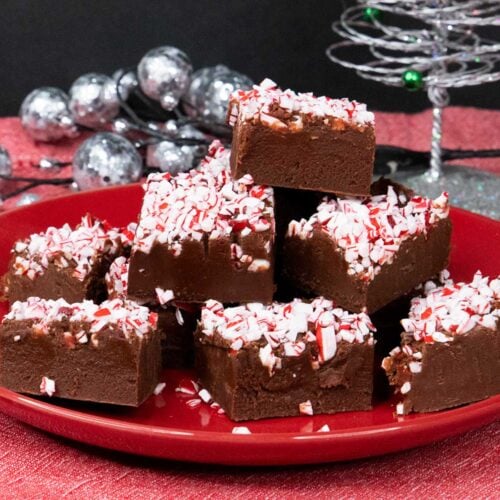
128,82
121,126
5,168
106,159
45,115
164,74
170,157
189,132
208,94
194,99
93,100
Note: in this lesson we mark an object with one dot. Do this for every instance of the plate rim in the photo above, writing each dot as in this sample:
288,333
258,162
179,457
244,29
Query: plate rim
424,421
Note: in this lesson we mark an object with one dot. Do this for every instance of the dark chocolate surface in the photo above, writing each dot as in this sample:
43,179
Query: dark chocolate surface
58,282
177,341
116,371
246,390
454,373
203,270
318,158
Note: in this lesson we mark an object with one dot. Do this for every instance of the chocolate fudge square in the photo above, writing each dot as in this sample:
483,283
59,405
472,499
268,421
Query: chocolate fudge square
285,359
287,139
450,348
64,262
176,321
202,235
108,353
176,326
365,253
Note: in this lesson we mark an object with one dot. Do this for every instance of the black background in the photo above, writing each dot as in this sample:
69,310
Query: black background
52,42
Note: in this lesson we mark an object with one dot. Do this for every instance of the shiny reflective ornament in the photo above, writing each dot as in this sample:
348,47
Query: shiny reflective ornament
170,157
45,115
413,79
93,100
121,126
128,82
189,132
170,127
27,199
5,168
106,159
164,74
208,94
371,14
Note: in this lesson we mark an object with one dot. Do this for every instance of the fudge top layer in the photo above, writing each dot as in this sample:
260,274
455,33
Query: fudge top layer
370,231
65,247
127,316
286,110
453,309
285,327
203,201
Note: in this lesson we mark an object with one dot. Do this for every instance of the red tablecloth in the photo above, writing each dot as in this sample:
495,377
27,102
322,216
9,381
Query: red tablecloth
34,464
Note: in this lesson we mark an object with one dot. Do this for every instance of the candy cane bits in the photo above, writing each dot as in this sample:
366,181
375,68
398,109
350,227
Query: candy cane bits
261,361
450,348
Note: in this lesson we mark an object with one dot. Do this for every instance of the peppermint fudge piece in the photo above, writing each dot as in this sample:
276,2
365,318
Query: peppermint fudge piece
176,321
285,359
108,353
287,139
64,262
202,235
365,253
450,347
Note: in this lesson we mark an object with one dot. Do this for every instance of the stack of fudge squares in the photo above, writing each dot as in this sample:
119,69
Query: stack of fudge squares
267,264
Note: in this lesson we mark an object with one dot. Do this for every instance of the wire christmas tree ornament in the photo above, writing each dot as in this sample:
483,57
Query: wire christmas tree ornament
440,51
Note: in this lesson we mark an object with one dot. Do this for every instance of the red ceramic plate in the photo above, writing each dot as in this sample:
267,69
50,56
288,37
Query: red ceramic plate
167,426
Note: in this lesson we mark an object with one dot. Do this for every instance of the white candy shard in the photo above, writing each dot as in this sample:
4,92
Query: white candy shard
48,386
306,408
241,430
159,388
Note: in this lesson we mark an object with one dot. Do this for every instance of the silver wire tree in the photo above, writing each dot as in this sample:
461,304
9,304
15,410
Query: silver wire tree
444,51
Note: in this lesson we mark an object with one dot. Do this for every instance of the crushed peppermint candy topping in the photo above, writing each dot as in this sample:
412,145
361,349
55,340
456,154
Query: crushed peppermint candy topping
369,232
324,428
164,296
286,327
188,387
203,202
66,247
48,386
286,110
127,316
159,388
453,309
306,408
241,430
117,278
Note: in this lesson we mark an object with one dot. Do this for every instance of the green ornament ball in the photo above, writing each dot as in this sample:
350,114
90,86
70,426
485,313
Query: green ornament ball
371,13
413,79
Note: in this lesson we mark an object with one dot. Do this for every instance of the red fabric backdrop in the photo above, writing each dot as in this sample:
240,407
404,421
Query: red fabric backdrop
34,464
